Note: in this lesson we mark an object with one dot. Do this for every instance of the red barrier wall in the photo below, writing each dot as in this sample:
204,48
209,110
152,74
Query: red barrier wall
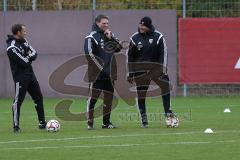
209,50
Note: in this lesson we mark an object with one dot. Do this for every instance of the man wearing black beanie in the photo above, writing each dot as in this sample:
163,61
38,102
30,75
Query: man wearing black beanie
148,47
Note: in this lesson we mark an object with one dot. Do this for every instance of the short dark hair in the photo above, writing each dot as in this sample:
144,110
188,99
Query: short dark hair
100,17
16,28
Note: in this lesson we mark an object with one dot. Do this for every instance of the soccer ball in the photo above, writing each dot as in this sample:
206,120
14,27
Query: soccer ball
175,122
172,122
53,126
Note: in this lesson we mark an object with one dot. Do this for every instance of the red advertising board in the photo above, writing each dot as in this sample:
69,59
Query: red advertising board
209,51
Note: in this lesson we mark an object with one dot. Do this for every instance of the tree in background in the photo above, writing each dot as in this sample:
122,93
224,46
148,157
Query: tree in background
195,8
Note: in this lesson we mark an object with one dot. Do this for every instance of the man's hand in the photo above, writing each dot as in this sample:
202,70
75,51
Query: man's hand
31,56
108,34
130,80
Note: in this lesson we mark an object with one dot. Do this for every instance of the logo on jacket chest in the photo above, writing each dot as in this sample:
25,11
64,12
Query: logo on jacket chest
150,41
21,48
139,46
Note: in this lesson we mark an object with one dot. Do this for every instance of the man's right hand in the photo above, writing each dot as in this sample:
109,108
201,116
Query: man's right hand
130,79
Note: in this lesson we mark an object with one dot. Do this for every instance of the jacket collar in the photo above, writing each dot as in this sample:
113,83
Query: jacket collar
96,28
11,37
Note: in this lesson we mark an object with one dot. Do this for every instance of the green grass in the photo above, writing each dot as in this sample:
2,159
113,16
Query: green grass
129,141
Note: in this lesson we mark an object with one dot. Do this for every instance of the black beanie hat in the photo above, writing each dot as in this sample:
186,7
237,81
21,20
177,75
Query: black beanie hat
146,21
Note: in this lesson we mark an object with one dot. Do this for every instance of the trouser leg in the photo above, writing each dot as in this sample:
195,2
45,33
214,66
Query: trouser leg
163,83
20,93
36,94
142,85
107,100
92,100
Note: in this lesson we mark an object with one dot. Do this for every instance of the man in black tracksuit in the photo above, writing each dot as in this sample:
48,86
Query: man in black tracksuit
21,54
148,46
100,46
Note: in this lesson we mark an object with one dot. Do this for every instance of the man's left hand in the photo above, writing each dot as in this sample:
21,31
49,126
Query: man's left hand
108,34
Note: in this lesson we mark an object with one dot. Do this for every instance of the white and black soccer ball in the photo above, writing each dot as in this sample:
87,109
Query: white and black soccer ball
53,126
175,122
172,122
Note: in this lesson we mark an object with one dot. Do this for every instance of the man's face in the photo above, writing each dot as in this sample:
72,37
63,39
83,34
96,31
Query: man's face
22,34
143,29
103,24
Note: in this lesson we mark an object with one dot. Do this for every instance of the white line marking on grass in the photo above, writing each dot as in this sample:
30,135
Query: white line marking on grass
116,136
119,145
96,137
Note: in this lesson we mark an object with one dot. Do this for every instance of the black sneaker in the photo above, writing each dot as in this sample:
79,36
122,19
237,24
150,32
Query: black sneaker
144,125
90,126
42,125
108,126
144,120
16,130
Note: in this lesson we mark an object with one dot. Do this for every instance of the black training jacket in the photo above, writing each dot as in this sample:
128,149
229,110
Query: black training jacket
99,51
149,47
20,55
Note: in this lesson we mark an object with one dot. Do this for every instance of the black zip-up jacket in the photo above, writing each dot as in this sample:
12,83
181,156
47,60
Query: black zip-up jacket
99,51
20,55
149,47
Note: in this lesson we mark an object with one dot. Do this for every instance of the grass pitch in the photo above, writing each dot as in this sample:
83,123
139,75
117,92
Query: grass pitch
129,141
